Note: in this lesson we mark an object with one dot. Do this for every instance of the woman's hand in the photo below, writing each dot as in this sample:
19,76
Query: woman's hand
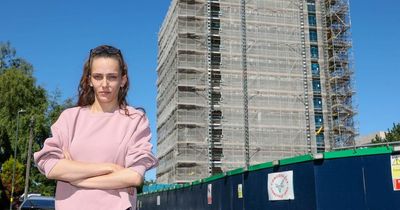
66,154
72,171
110,166
113,167
124,178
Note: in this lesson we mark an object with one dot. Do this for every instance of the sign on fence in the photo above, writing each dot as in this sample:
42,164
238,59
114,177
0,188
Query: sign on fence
395,165
280,186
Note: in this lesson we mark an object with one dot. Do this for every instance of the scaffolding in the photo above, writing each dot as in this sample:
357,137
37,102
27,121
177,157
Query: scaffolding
210,52
340,72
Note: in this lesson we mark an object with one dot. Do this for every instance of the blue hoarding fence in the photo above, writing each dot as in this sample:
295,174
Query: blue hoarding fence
354,179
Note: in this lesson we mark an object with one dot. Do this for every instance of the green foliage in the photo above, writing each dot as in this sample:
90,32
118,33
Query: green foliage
8,60
5,146
377,139
149,182
390,136
394,133
55,108
38,183
145,183
18,90
7,174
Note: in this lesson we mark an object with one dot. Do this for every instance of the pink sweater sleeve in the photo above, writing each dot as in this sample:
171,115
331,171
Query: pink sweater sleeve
51,152
139,157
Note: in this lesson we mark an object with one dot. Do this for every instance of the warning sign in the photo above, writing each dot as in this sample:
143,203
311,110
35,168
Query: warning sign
395,165
280,186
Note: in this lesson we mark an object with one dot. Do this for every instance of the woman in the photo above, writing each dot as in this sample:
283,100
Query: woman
100,149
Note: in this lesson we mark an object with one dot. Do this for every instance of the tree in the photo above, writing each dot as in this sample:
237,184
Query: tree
7,174
390,136
145,183
18,90
55,108
9,60
394,133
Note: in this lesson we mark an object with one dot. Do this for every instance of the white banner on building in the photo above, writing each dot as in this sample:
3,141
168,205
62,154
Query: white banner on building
280,186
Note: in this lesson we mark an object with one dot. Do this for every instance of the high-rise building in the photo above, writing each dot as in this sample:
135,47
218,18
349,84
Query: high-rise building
242,82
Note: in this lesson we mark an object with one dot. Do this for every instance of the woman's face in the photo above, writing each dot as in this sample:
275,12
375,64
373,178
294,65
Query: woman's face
106,80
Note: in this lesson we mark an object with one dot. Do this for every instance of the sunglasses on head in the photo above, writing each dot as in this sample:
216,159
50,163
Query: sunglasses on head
108,50
105,50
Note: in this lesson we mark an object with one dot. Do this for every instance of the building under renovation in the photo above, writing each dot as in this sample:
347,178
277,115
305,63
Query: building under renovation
245,82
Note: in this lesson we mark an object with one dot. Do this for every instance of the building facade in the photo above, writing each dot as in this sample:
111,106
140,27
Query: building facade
245,82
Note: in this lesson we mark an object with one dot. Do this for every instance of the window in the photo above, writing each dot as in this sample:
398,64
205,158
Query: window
317,103
319,121
311,5
316,83
313,35
215,43
314,51
320,142
216,75
215,59
315,69
215,8
215,24
312,20
320,139
38,202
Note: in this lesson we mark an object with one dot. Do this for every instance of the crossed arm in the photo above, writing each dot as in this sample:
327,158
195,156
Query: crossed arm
106,176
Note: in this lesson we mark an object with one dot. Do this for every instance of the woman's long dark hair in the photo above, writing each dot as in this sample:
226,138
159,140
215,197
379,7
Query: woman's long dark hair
86,92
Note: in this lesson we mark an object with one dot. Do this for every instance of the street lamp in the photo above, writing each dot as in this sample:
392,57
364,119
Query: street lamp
15,159
28,161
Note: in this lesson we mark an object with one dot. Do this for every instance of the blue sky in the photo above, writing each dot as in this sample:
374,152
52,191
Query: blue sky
56,36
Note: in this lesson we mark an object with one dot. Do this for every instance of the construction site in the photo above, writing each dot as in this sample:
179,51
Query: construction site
245,82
